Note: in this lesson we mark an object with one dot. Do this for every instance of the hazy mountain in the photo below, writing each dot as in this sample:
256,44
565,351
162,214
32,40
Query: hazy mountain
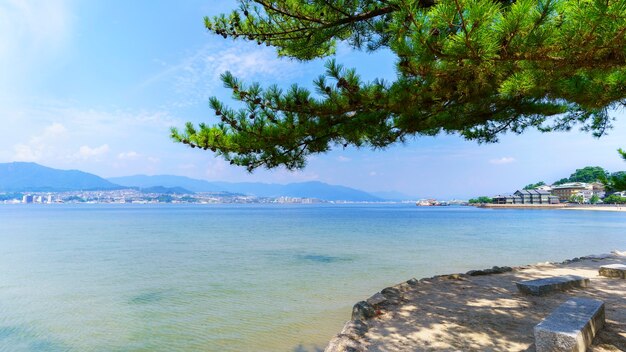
32,177
165,190
313,189
143,181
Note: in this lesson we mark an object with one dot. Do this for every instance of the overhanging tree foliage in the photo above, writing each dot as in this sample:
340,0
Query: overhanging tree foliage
478,68
616,182
622,153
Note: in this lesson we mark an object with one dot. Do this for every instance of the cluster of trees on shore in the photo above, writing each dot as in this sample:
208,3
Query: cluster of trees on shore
481,200
613,182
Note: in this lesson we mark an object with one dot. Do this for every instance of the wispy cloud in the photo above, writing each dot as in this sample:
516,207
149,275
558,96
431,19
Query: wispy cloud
502,161
85,134
196,77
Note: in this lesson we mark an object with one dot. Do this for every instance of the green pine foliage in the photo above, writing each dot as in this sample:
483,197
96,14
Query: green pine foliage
616,182
534,185
477,68
587,174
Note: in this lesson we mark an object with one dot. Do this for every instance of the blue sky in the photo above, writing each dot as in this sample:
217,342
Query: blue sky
95,86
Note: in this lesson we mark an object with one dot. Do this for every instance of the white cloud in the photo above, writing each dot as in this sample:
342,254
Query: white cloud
131,155
42,145
502,161
373,173
87,152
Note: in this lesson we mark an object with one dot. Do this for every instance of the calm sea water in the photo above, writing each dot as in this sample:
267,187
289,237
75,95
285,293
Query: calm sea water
246,278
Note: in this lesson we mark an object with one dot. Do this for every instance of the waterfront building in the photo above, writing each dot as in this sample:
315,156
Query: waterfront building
598,189
27,199
566,190
531,196
587,194
544,188
507,199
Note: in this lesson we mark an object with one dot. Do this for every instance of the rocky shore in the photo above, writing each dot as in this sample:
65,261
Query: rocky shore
479,310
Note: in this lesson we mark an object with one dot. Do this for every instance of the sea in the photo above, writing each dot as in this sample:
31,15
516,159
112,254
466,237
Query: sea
112,277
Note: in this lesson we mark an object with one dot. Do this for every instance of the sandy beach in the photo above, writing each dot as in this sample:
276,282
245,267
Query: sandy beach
599,208
620,207
460,312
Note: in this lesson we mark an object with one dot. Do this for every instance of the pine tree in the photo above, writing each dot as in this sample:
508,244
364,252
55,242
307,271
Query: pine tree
477,68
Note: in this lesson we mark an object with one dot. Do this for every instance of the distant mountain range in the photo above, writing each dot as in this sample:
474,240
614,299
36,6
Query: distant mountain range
311,189
32,177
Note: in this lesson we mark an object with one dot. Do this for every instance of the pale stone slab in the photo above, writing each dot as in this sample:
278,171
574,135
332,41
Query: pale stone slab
571,327
540,287
613,270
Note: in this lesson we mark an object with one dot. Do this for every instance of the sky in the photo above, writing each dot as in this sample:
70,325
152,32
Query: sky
96,86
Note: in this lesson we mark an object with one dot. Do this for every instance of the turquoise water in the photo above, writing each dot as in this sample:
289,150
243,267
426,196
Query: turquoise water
247,277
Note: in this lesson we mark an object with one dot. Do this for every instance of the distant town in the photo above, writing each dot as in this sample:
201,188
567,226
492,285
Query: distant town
133,196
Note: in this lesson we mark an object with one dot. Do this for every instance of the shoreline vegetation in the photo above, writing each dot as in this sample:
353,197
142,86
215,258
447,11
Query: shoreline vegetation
479,310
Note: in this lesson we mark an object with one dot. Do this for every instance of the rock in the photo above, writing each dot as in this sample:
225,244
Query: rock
354,329
478,272
392,294
494,270
343,343
617,253
501,269
455,277
363,311
377,300
413,282
613,270
402,287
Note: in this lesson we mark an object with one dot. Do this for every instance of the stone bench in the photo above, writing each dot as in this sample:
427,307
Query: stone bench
570,327
540,287
613,270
